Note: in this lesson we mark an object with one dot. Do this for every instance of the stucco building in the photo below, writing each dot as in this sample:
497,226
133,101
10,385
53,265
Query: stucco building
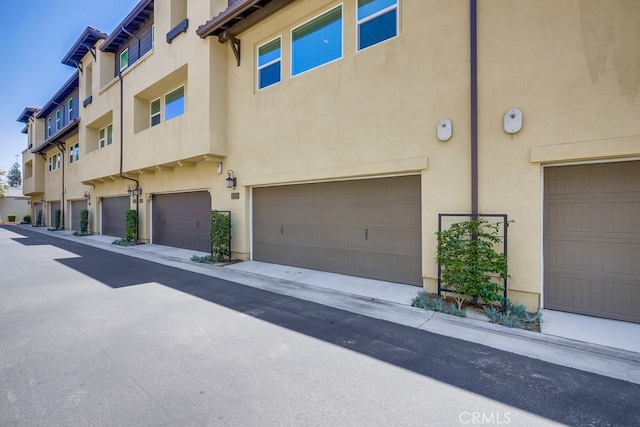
349,126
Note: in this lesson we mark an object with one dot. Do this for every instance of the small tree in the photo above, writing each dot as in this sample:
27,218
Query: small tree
3,186
470,265
132,224
220,233
14,178
84,221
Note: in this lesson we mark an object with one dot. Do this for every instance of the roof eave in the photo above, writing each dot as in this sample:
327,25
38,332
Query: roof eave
70,84
89,36
140,7
64,133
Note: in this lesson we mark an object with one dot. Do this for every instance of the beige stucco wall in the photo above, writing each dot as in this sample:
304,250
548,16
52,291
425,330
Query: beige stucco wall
14,205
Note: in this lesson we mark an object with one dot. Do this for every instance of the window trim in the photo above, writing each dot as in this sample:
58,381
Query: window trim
49,126
58,119
102,138
109,134
159,113
122,68
373,16
291,41
184,97
70,108
268,64
74,155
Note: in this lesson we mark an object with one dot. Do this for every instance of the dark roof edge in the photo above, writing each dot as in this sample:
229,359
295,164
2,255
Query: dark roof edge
126,21
61,134
54,99
26,113
224,17
89,31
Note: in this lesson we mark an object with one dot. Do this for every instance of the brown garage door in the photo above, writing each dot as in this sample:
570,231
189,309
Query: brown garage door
182,220
114,221
76,207
592,239
55,206
368,228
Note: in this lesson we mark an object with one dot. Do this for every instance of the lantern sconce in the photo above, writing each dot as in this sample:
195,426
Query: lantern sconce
231,179
134,191
87,196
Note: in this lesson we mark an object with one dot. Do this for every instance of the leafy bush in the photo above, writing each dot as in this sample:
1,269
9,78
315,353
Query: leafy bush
26,219
513,316
470,265
436,304
202,259
11,217
220,233
132,224
124,242
57,219
84,221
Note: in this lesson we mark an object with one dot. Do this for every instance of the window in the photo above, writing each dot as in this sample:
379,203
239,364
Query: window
58,119
317,42
110,134
49,130
50,163
124,59
174,104
54,162
70,109
269,63
57,161
377,21
155,112
74,152
101,137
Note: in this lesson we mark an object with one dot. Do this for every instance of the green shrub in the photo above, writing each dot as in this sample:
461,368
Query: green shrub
26,219
84,221
202,259
470,265
220,233
436,304
513,316
57,219
11,217
132,225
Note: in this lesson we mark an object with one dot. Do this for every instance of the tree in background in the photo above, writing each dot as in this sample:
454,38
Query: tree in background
3,186
14,178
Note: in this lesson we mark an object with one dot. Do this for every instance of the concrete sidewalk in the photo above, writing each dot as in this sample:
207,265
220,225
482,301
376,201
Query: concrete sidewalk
602,346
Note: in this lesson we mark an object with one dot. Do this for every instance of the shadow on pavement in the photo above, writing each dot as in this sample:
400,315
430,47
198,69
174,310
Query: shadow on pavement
558,393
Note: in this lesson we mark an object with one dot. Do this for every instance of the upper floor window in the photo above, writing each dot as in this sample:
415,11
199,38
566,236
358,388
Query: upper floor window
74,152
105,136
124,59
174,103
58,119
155,112
70,109
49,130
110,134
54,162
377,21
269,63
317,42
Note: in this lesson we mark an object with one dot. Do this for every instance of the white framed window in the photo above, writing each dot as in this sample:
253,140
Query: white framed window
317,42
58,119
49,130
124,59
154,109
269,63
54,162
74,152
110,134
377,21
102,137
50,163
58,158
174,103
70,109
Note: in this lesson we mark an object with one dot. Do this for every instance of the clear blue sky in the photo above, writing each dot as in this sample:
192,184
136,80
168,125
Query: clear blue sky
34,37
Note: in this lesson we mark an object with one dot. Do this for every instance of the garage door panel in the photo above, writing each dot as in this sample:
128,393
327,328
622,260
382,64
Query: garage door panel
592,239
76,207
360,227
114,215
182,220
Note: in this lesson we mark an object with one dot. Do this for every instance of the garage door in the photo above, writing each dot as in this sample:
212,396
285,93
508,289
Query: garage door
368,228
114,222
592,239
76,207
55,207
182,220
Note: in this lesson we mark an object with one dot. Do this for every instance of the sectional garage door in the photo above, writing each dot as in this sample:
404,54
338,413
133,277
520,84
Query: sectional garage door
592,239
182,220
368,228
114,216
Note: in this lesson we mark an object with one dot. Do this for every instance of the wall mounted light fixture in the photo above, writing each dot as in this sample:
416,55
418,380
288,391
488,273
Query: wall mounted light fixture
87,196
231,179
134,191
